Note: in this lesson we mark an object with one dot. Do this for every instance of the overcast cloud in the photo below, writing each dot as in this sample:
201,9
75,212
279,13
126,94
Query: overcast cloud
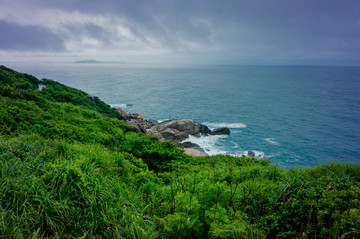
182,31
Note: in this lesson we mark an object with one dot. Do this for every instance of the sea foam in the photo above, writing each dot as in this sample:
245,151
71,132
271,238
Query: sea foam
119,105
271,141
258,154
208,143
228,125
216,144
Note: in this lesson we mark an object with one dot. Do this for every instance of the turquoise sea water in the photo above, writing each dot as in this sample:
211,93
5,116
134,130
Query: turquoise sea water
293,115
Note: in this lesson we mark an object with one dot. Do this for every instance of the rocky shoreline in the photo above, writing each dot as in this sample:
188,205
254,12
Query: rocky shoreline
176,130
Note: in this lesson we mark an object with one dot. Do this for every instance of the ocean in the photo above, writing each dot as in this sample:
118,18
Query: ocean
296,116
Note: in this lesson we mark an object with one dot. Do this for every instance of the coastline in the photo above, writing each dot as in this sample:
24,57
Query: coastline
71,167
176,131
186,133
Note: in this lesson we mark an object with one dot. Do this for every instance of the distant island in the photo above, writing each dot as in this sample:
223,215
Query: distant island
91,61
87,61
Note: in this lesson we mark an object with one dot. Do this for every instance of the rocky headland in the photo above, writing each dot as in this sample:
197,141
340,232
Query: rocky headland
176,130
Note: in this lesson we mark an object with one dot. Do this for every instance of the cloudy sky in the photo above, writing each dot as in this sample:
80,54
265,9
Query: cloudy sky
182,31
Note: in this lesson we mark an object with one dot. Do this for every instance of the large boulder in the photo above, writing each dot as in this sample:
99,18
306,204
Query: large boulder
220,131
196,130
139,128
176,130
155,133
168,133
151,122
195,152
204,130
251,154
164,125
123,115
174,135
184,124
179,129
188,144
135,116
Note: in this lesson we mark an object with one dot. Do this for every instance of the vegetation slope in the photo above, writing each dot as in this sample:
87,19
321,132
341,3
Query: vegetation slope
69,168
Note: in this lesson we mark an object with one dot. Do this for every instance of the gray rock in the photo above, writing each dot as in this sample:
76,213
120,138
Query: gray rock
251,154
143,130
123,115
204,130
196,129
139,128
174,130
188,144
166,124
195,152
184,124
220,131
135,116
151,122
154,133
168,133
180,129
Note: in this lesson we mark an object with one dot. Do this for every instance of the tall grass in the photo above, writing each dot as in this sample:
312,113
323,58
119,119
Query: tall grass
70,169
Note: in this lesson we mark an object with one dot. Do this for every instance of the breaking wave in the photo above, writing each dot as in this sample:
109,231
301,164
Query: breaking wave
228,125
271,141
120,105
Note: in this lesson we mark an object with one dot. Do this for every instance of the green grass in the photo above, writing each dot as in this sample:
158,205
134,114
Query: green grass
70,169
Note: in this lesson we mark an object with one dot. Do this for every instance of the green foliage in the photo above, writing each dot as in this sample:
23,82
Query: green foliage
56,189
157,155
9,77
70,169
58,92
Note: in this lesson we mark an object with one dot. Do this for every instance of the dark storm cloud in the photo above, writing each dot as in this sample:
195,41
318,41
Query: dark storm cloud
280,21
17,37
92,31
232,29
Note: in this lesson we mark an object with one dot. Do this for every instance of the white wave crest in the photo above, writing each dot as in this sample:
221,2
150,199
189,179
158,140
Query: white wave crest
271,141
208,143
118,105
257,154
212,145
228,125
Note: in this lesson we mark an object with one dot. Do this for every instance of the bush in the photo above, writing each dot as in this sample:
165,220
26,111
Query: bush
70,169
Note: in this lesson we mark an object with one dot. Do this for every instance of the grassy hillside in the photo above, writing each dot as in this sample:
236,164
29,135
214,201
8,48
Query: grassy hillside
71,169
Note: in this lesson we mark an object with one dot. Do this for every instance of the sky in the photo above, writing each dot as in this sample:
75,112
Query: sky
319,32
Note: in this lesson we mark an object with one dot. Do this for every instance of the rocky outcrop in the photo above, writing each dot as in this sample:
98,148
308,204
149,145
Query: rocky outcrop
251,154
220,131
195,152
193,149
178,130
139,119
122,114
151,122
139,128
204,130
188,144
